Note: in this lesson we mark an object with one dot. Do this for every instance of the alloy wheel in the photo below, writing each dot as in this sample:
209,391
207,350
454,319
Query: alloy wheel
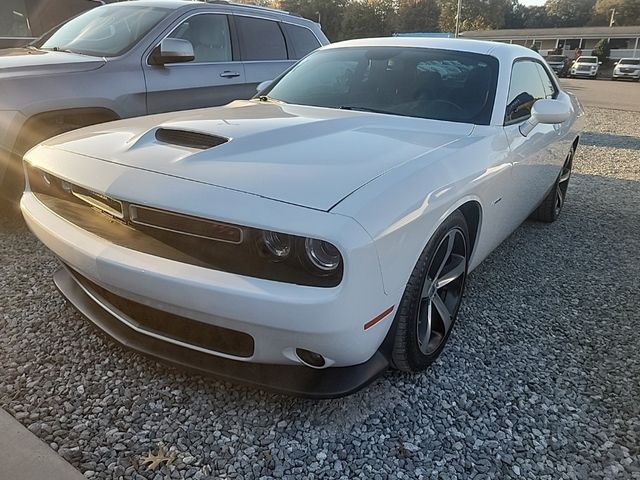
442,291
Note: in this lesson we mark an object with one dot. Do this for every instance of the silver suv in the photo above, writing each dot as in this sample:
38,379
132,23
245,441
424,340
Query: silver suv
136,58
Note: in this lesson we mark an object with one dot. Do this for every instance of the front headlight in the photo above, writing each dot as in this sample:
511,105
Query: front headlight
204,242
322,255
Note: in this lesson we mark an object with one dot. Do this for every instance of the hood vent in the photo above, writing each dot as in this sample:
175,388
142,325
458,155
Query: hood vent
185,138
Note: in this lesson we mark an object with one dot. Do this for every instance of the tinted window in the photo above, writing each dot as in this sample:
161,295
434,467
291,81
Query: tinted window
415,82
629,61
548,85
303,40
106,31
556,58
13,19
587,59
209,35
525,88
261,39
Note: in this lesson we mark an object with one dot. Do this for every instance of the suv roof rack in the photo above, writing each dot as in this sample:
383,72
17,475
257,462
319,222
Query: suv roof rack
255,7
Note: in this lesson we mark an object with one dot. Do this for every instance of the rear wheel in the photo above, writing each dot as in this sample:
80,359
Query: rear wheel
550,208
431,300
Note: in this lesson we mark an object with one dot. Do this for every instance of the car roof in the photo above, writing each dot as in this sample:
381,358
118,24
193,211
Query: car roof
503,51
175,4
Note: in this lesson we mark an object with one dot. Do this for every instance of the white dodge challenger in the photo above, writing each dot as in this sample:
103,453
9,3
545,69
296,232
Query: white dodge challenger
310,238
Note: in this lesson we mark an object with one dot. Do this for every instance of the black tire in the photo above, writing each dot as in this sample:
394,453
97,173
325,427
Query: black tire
551,207
446,259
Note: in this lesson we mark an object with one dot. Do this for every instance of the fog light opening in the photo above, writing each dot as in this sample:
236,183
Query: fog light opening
310,359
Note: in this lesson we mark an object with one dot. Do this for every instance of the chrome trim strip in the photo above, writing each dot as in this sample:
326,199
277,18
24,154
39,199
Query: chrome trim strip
134,219
121,317
99,205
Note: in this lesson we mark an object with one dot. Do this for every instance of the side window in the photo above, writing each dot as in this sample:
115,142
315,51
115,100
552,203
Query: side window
303,39
549,87
260,39
13,19
525,88
209,35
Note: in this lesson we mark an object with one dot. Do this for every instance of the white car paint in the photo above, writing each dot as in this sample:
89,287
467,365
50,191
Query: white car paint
376,186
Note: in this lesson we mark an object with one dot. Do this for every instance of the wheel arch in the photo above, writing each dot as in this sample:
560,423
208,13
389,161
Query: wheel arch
76,117
472,212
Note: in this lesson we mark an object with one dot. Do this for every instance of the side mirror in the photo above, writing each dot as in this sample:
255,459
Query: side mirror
172,50
263,85
546,111
599,63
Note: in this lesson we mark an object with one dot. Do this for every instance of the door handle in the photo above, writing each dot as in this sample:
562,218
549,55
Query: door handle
229,74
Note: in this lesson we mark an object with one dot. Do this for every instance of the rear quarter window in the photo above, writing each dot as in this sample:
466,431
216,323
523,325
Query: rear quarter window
302,41
261,39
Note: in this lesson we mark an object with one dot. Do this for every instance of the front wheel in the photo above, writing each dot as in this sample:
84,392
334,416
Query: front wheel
431,300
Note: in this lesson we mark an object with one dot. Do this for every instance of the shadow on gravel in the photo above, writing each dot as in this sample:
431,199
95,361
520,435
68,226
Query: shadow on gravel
597,139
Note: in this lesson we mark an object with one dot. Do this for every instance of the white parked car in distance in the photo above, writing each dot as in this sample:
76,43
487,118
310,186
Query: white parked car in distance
585,66
627,68
310,238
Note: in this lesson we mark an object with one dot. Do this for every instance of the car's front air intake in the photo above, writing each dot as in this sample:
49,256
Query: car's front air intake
185,138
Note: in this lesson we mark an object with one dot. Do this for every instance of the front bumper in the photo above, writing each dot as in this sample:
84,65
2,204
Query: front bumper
630,75
290,379
578,73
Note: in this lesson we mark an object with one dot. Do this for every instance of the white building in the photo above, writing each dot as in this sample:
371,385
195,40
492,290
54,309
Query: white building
624,41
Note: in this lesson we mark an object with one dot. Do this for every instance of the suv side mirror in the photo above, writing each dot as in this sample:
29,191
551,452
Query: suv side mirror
599,63
172,50
546,111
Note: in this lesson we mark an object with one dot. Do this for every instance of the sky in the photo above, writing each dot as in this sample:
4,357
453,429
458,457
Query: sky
532,2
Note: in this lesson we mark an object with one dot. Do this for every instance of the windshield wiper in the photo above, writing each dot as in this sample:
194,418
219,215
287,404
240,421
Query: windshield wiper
364,109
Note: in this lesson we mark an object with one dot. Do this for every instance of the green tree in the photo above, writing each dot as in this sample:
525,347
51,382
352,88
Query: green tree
418,16
627,11
370,18
602,50
327,12
475,14
569,13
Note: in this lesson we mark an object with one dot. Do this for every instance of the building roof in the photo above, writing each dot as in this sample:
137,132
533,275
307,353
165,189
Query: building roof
562,33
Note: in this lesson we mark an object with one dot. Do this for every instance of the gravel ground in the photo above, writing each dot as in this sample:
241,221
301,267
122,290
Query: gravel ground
541,378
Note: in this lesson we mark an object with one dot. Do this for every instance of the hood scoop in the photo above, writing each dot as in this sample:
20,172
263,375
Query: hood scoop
186,138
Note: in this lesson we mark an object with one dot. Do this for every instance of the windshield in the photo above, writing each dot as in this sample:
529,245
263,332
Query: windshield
555,58
630,61
106,31
588,60
416,82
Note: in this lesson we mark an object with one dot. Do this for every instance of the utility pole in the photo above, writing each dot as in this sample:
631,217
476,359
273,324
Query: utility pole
612,20
458,18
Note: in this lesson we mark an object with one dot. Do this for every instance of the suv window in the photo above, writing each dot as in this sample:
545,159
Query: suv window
525,88
209,35
13,19
260,39
303,40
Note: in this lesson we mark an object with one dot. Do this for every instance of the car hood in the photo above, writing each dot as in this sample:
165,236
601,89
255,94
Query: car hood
19,62
308,156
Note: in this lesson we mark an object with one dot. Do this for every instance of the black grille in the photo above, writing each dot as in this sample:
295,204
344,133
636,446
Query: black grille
185,138
186,330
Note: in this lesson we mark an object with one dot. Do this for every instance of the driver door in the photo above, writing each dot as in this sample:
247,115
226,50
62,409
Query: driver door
213,77
533,157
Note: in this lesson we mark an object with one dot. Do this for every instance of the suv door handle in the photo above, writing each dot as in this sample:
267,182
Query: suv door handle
229,74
